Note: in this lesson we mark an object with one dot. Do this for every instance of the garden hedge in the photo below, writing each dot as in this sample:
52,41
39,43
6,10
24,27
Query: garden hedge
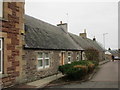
78,69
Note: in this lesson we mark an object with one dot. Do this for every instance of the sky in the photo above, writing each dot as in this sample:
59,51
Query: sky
96,16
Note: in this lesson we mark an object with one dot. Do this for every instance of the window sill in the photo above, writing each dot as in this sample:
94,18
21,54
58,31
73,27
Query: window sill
69,62
3,75
42,69
3,19
47,66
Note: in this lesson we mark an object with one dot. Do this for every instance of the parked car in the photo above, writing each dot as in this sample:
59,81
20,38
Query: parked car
117,58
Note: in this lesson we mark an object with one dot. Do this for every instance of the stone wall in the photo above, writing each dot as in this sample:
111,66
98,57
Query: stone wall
101,56
30,71
12,24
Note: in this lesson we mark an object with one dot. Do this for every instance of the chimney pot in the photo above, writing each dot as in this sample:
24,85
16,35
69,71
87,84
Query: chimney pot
94,39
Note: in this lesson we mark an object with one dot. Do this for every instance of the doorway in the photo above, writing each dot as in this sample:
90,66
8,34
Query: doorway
62,58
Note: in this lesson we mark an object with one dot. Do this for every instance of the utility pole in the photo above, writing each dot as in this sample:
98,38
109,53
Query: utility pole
104,39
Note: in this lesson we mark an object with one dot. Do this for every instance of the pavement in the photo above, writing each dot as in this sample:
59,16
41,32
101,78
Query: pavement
106,77
43,82
103,62
40,83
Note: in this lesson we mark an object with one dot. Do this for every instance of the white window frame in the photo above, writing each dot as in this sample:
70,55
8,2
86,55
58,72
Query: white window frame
43,60
1,8
1,49
69,56
78,57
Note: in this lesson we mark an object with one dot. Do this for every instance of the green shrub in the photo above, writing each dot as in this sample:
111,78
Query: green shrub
95,62
64,68
77,69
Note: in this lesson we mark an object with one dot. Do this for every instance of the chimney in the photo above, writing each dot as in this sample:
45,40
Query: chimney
94,39
63,26
83,35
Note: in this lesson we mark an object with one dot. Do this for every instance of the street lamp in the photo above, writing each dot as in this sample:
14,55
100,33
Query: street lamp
104,39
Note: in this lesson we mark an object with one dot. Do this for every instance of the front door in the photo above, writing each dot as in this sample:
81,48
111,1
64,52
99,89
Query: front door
62,58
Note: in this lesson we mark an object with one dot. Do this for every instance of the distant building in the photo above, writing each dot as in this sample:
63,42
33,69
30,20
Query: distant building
114,52
108,55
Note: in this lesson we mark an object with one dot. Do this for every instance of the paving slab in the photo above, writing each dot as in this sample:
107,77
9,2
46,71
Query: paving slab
41,83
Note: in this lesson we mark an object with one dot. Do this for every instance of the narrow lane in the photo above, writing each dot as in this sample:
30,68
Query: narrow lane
106,77
107,72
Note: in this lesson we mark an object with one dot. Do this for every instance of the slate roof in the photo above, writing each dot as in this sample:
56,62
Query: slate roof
80,41
114,52
41,35
86,43
95,45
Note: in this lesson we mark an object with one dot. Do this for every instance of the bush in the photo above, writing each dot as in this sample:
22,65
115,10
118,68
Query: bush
77,69
64,68
96,63
92,54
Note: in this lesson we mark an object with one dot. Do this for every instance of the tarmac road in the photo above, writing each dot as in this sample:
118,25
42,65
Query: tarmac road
106,77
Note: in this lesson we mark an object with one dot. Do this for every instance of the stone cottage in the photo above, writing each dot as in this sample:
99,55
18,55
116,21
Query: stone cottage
87,43
46,48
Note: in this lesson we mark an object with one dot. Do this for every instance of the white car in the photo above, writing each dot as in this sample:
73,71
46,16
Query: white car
117,58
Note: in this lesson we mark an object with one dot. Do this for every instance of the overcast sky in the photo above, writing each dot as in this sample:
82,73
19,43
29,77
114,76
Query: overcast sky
96,16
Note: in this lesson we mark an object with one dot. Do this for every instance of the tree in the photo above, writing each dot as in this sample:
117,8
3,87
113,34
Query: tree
92,54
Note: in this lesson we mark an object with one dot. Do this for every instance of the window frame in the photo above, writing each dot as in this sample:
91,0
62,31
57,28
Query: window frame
78,57
1,6
44,58
1,49
69,56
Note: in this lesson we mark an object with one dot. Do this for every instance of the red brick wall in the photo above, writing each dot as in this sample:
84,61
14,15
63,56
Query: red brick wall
11,27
